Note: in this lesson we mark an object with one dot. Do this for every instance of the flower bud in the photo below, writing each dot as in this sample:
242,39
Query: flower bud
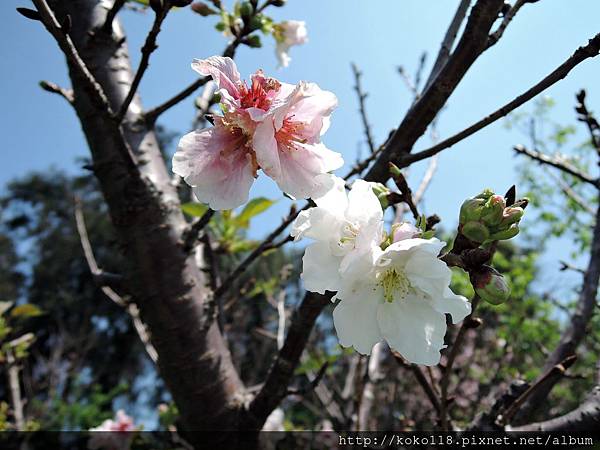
492,211
203,9
490,285
485,194
503,235
471,210
278,3
253,41
381,191
475,231
246,9
511,215
403,230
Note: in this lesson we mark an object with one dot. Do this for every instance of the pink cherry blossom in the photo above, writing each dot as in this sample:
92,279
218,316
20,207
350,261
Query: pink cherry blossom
268,125
287,34
115,434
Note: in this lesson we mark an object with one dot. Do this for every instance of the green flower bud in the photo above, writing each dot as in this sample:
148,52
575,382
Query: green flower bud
504,235
382,192
511,215
490,285
253,41
475,231
471,210
485,194
203,9
246,9
492,211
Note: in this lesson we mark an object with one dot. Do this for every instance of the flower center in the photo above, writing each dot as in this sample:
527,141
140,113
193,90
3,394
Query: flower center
349,234
290,133
260,93
395,285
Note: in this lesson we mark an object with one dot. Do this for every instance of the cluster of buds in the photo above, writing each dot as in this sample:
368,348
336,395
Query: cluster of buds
490,217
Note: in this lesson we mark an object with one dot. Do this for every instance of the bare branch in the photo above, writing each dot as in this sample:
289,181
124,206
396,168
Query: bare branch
508,17
147,49
282,370
110,16
48,86
576,329
585,418
586,116
427,107
448,42
421,379
130,307
557,162
77,64
263,247
569,192
454,352
362,108
15,389
581,54
190,236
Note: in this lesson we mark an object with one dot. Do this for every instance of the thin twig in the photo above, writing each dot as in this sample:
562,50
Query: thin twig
130,307
421,379
15,389
48,86
190,236
581,54
557,162
76,63
147,50
558,370
570,192
508,17
456,348
110,16
362,108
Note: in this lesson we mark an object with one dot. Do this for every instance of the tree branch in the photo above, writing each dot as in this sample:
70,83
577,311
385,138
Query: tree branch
130,307
110,16
585,418
557,162
446,47
508,17
48,86
190,236
282,370
147,49
581,54
422,380
426,108
575,331
362,108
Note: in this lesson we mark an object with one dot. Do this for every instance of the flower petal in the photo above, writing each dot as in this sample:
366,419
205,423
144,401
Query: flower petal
355,321
301,165
316,223
413,328
320,269
363,205
222,182
455,305
265,147
222,70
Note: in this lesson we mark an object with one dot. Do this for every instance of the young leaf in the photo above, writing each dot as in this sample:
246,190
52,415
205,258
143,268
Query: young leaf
26,310
253,208
194,209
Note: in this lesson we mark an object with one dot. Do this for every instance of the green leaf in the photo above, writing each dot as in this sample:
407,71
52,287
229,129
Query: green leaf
194,209
26,310
253,208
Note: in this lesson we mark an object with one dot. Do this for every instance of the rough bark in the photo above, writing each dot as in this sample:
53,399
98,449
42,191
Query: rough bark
166,283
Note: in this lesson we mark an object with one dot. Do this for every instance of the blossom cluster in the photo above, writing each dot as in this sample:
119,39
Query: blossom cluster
391,288
267,125
113,434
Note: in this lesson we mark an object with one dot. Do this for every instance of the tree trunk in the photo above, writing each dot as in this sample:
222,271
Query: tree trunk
165,282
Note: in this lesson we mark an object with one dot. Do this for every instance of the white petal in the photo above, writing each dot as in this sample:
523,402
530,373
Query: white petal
455,305
355,321
413,328
316,223
334,199
426,272
363,205
320,269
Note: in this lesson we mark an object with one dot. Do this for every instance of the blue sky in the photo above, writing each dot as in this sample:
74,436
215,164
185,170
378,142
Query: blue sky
40,130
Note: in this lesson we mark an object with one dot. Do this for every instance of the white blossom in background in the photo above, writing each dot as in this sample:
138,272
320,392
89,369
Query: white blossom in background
347,229
402,299
268,125
288,34
113,434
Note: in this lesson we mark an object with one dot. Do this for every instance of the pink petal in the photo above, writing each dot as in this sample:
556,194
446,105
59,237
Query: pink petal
266,149
301,165
222,70
216,163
